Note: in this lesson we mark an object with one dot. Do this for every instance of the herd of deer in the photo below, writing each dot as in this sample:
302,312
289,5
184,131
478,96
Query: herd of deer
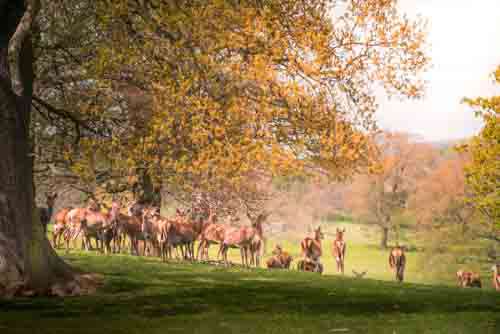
158,235
161,236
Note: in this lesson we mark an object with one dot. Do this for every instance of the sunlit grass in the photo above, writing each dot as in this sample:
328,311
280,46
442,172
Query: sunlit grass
144,295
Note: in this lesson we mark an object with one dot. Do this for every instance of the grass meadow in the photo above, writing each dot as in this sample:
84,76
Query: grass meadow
143,295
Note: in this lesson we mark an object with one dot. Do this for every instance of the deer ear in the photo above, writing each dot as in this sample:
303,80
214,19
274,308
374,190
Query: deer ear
177,211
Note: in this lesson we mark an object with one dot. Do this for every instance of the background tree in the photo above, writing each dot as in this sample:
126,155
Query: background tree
241,95
483,172
383,194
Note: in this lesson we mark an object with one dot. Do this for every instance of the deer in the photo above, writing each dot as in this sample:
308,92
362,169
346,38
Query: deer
60,225
182,233
397,262
311,251
245,238
74,219
359,275
468,279
152,228
496,276
258,240
46,212
338,250
280,259
212,233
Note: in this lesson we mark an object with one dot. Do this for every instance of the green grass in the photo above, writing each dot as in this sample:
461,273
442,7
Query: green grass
143,295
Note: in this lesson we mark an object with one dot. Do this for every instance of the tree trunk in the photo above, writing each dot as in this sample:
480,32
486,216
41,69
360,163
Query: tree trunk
28,264
385,237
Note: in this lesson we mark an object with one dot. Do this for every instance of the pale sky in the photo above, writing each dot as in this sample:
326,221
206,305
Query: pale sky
464,38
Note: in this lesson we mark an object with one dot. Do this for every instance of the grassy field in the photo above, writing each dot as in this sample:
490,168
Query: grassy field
143,295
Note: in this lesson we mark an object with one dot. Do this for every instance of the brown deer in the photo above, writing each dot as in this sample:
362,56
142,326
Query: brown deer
468,279
212,233
153,228
258,240
182,232
245,238
339,249
46,212
311,251
496,276
60,226
74,220
397,262
280,259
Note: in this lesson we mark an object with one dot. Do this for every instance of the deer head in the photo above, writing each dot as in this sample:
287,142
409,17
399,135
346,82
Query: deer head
51,198
318,235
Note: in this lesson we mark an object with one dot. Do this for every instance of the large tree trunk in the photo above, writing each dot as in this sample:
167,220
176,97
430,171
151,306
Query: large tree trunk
28,264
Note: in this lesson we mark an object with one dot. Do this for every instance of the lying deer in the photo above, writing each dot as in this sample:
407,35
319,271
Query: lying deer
468,279
311,251
280,259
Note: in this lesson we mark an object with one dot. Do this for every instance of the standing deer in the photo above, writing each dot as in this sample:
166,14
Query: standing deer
258,240
182,232
496,276
339,248
397,262
46,212
212,233
60,225
74,219
246,238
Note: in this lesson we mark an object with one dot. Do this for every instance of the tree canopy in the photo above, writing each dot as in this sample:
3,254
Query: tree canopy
203,94
483,172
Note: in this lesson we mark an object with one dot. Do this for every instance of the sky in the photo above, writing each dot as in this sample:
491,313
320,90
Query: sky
464,38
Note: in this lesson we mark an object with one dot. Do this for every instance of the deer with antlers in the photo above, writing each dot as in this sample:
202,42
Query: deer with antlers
338,250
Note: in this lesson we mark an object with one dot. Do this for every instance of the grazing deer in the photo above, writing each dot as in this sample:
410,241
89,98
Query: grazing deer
397,262
46,212
280,259
311,251
468,279
244,238
496,276
60,226
339,248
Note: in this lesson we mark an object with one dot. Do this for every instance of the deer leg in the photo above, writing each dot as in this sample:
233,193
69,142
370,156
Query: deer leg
201,245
